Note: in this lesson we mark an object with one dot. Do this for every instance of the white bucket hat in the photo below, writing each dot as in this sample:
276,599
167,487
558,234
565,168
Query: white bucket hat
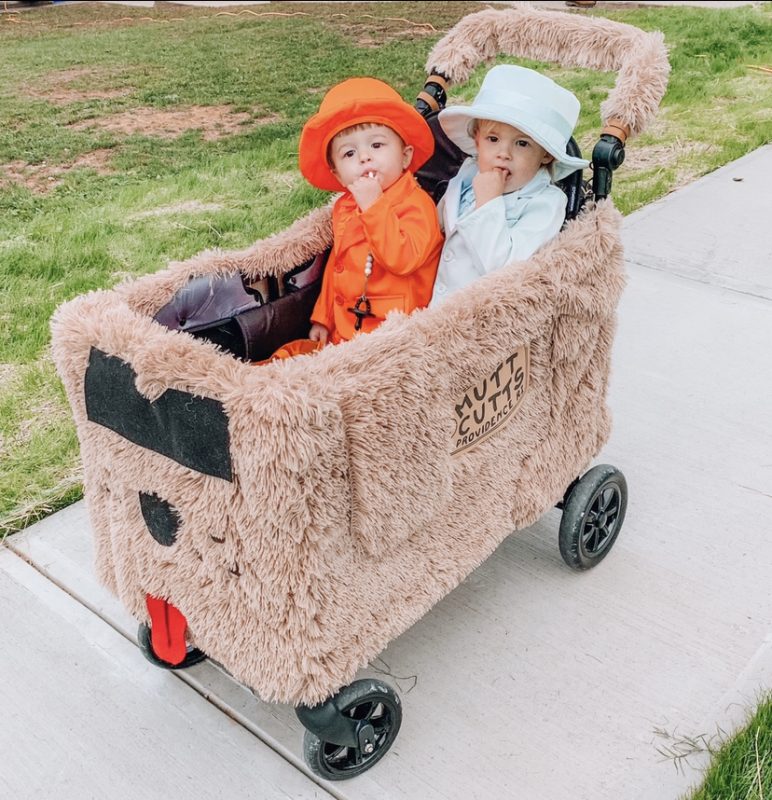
530,102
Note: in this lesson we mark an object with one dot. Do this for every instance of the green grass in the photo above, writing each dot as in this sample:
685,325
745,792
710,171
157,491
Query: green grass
132,213
141,204
94,229
742,768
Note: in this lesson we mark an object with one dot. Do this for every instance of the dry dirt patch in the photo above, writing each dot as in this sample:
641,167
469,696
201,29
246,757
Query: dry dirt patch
41,178
274,181
9,373
374,32
90,84
214,122
638,159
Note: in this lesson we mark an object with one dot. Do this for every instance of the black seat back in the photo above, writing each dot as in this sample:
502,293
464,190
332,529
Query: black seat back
434,175
223,309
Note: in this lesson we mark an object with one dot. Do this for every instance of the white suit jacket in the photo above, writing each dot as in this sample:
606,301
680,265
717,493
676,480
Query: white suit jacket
509,228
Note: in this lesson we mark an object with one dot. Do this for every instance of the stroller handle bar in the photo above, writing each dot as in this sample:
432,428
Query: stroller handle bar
639,58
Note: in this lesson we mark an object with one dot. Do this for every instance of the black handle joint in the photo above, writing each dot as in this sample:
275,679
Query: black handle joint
607,155
436,89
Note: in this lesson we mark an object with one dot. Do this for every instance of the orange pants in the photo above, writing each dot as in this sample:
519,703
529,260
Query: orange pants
297,347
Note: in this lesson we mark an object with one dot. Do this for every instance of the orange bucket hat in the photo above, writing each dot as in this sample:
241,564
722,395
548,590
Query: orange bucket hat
352,102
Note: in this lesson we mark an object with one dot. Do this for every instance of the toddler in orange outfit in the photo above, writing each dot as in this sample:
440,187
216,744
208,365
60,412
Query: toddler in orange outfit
366,140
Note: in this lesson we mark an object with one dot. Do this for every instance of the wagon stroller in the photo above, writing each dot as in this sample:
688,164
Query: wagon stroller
236,510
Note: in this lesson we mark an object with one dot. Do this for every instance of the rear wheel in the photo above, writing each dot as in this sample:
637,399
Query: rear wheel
593,513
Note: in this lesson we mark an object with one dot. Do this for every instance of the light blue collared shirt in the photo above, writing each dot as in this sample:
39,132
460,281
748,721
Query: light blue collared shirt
506,229
466,199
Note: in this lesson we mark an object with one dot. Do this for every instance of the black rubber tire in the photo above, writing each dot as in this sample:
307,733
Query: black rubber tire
193,656
593,513
364,699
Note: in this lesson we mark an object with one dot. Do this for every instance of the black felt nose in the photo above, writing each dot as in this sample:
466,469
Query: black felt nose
162,518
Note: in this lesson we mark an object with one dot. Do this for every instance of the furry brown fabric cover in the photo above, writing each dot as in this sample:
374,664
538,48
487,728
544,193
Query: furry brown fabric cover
347,517
571,40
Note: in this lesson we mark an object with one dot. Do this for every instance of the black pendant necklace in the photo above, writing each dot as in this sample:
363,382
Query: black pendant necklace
362,306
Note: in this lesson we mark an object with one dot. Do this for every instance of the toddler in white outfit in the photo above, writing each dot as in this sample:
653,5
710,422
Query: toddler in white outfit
503,203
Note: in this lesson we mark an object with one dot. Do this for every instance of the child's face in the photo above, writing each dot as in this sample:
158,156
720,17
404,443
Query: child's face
504,148
375,149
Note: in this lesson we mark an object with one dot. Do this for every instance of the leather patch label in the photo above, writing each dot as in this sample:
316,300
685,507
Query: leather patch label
487,405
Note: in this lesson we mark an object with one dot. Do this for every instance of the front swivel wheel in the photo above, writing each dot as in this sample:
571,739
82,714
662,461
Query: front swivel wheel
192,656
352,731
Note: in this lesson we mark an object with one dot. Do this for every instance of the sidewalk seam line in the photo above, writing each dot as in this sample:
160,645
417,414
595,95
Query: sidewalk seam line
239,719
691,278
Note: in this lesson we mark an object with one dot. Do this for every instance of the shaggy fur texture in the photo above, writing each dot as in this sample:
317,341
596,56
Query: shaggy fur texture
348,518
639,58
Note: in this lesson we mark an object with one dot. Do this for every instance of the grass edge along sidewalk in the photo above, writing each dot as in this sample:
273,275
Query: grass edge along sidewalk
740,765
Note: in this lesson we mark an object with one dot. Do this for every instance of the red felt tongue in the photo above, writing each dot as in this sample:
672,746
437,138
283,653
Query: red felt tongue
167,630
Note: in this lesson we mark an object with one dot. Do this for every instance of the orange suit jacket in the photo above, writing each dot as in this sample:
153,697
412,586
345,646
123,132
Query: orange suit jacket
401,230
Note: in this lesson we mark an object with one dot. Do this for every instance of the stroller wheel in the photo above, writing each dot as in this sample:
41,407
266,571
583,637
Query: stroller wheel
193,655
593,513
350,732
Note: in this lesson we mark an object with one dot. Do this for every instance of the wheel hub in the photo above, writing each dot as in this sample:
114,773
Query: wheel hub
366,739
602,519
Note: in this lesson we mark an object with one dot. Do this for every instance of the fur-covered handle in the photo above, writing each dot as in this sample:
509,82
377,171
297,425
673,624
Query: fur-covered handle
571,40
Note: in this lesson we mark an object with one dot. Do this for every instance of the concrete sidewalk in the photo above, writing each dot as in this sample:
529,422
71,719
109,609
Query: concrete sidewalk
528,681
